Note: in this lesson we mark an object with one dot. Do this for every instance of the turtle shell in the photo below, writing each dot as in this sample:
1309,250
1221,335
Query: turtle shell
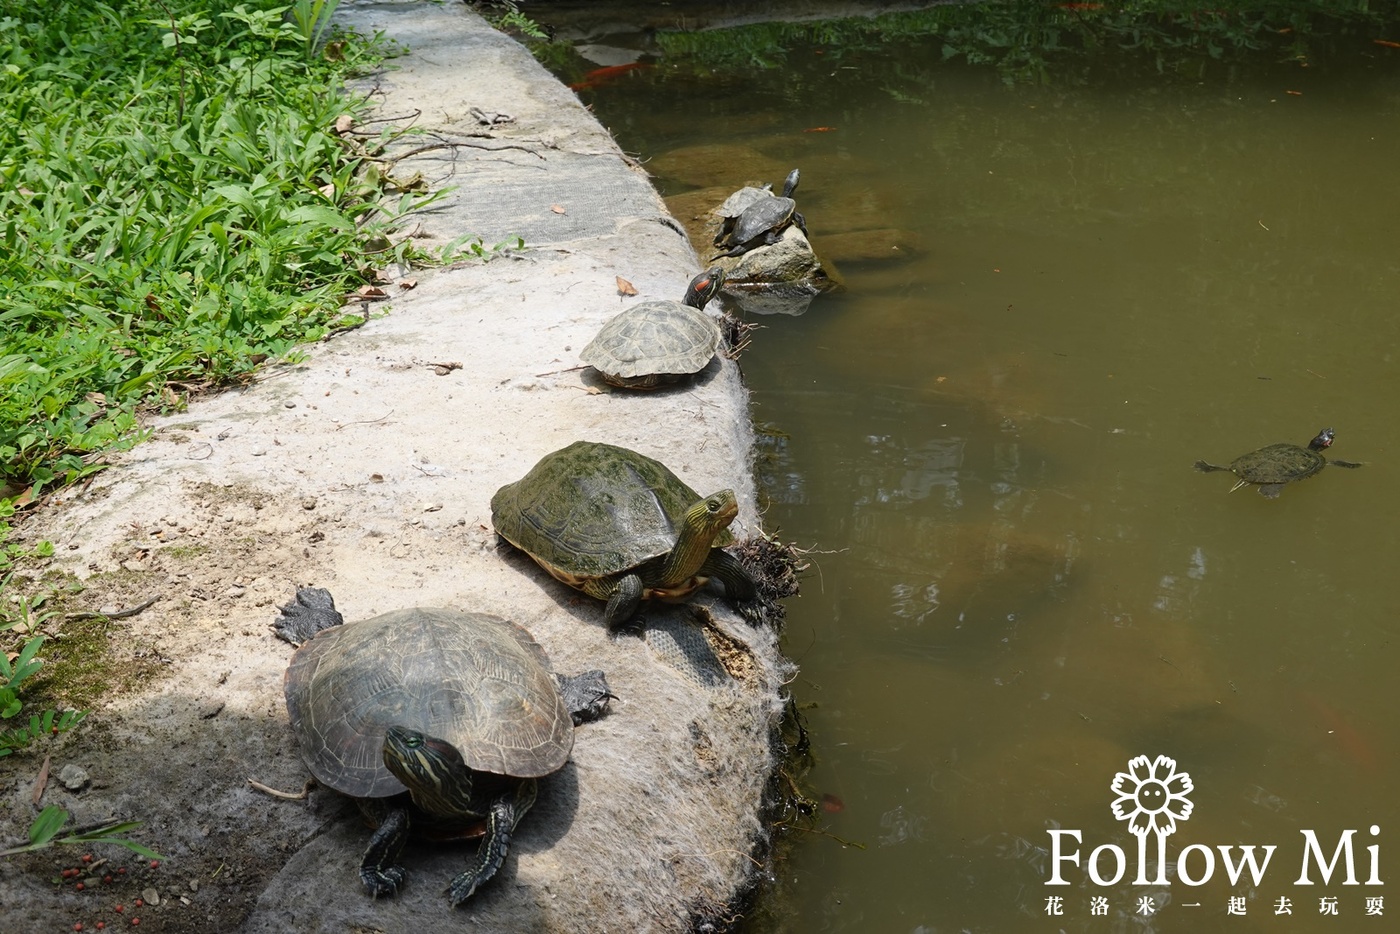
1277,463
762,216
475,680
593,510
736,203
653,339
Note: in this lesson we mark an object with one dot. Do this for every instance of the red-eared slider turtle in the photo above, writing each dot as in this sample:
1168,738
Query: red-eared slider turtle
764,221
1277,465
735,205
436,720
620,527
659,342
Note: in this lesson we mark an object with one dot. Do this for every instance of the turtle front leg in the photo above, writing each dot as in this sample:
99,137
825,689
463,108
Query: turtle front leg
623,602
801,223
379,870
501,819
738,583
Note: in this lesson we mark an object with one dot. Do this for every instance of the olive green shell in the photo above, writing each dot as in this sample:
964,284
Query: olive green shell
477,681
653,339
591,511
1277,463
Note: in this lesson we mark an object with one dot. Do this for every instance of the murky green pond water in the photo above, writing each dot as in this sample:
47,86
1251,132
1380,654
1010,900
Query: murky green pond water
1020,582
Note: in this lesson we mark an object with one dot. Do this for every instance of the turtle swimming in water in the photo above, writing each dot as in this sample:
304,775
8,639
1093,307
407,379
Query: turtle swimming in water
762,223
621,527
659,342
1274,466
437,721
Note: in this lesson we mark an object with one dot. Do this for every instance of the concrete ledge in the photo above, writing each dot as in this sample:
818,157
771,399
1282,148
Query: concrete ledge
366,471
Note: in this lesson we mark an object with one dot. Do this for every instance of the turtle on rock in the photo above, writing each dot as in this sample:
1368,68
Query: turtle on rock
735,205
1274,466
762,223
621,527
659,342
437,721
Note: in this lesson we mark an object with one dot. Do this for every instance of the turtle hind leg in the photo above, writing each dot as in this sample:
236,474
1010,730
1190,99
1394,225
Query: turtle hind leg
585,695
1269,490
380,873
312,611
1347,464
501,819
1204,467
738,249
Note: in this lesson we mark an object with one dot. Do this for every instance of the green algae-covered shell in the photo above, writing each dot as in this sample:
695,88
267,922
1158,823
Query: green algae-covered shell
591,511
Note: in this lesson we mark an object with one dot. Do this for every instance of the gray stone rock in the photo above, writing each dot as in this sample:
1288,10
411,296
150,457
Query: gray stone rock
73,777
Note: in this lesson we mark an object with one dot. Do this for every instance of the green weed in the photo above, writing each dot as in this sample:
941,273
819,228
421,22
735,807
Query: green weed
176,208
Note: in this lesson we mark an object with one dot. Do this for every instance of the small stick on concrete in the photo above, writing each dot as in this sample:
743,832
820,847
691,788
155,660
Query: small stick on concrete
285,795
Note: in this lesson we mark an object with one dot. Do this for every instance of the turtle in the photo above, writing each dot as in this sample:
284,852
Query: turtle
621,527
734,205
1274,466
659,342
436,721
764,221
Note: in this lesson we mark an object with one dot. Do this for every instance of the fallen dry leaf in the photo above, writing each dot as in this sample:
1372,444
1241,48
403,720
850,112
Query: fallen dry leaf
624,287
558,209
344,124
371,291
407,284
42,781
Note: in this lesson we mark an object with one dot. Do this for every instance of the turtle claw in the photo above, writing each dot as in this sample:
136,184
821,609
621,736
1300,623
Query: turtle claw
463,887
380,882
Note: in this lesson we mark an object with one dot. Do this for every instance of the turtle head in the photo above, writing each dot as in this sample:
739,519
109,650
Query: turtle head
790,183
704,287
431,769
711,515
1323,441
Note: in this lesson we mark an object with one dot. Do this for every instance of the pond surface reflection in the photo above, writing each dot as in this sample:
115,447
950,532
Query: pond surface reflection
1021,583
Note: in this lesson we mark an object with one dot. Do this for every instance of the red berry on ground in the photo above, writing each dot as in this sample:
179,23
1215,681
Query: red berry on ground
107,878
78,926
155,864
121,869
79,886
120,907
135,920
140,904
87,857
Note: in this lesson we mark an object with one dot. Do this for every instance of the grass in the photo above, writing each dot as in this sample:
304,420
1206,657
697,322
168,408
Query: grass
176,209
